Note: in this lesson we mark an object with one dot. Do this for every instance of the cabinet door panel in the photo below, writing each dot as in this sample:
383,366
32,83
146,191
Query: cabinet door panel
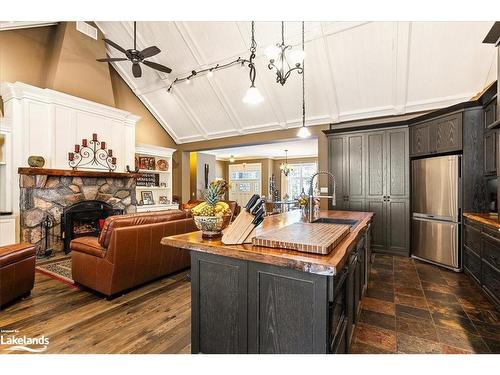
355,166
472,264
378,225
490,114
491,281
337,162
420,139
397,211
355,205
375,165
219,310
490,151
397,163
449,133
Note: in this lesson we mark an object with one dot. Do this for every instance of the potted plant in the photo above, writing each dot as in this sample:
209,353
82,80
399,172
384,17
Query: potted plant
213,215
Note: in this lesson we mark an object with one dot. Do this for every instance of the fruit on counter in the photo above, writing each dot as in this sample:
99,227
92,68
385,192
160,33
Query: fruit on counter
213,206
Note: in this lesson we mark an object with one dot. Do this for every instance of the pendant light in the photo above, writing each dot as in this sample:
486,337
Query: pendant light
303,131
282,61
253,95
285,167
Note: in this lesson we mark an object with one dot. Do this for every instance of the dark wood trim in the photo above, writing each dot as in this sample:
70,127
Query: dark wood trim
72,173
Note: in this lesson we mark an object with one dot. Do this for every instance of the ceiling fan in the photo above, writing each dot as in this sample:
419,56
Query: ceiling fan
136,56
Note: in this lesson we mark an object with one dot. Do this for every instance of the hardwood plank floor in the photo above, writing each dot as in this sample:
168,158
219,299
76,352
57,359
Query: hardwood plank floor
155,318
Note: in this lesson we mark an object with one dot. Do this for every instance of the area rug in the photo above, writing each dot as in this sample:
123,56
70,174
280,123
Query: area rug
59,269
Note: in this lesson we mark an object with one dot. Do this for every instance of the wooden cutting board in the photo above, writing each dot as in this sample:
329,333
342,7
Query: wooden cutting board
317,238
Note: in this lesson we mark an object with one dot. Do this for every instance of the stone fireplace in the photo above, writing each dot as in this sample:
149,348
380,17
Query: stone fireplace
45,193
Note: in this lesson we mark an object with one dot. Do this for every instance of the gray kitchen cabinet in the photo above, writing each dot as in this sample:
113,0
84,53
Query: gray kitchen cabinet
447,133
374,166
436,136
490,113
490,152
421,139
355,168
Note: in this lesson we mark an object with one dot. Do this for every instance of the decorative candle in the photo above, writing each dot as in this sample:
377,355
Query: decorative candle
103,145
110,152
71,156
77,148
94,137
84,142
113,161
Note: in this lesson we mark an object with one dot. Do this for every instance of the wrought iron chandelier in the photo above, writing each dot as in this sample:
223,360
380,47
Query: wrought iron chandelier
283,60
285,167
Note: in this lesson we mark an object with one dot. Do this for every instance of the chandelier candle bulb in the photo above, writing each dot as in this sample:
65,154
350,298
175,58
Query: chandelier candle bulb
110,153
94,137
113,161
103,145
77,148
84,142
71,156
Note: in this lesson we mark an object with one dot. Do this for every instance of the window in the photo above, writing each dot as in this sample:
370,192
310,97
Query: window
299,178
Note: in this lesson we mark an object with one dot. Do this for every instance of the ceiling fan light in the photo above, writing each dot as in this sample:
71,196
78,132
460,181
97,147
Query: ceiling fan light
253,96
303,132
297,56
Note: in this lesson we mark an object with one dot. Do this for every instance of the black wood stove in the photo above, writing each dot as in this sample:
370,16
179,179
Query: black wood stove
82,219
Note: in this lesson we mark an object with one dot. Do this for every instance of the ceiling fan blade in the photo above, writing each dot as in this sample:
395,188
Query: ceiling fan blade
161,68
113,44
113,59
136,70
150,51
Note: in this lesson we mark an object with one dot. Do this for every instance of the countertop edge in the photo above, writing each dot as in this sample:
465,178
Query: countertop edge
298,262
483,219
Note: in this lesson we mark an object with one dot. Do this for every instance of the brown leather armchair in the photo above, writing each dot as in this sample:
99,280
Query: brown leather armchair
17,271
128,251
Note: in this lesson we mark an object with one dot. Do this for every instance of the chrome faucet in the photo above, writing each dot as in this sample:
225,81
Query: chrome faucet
313,206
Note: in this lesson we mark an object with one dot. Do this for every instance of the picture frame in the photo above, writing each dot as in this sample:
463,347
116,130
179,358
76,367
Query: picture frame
147,162
163,199
147,197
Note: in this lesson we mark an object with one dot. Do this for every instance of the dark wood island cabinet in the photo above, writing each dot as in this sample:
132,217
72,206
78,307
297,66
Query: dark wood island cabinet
250,299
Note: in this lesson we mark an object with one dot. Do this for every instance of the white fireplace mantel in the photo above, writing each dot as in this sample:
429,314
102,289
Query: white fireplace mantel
49,123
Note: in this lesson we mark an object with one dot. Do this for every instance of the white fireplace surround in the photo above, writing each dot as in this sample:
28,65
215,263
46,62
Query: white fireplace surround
49,123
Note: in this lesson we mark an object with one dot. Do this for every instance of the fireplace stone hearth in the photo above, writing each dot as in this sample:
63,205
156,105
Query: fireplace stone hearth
46,195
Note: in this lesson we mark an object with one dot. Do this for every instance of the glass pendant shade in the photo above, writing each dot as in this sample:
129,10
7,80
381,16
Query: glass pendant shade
253,96
303,132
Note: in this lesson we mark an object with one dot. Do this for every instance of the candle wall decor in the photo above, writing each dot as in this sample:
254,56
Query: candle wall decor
92,154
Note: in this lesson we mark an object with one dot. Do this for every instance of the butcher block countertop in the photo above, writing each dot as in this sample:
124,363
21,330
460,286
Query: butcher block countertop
487,219
306,262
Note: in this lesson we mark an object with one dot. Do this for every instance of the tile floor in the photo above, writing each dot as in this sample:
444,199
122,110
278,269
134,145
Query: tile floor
414,307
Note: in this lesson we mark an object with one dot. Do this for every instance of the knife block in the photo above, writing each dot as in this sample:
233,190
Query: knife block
232,234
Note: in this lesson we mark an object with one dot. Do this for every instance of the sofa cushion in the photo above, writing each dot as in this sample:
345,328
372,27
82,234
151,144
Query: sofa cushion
14,253
143,218
89,245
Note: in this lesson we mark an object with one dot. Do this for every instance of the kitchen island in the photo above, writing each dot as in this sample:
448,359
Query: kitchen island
251,299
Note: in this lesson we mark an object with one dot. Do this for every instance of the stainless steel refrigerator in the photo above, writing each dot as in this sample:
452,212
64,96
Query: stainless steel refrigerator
436,210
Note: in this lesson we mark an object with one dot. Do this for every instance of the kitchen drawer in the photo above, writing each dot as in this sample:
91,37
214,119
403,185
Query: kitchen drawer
490,250
472,264
491,281
472,239
492,232
472,223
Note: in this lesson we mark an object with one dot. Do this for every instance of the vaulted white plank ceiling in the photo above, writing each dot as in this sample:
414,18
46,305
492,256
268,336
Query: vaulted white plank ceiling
354,70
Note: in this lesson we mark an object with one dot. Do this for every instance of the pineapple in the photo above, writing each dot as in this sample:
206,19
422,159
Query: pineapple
212,206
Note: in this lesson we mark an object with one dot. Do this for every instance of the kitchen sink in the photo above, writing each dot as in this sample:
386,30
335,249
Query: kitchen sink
329,220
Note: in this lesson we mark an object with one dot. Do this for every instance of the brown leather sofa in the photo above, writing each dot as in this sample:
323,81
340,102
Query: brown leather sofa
233,206
128,252
17,271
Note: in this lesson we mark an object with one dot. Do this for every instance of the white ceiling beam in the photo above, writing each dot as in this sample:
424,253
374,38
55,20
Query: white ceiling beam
201,59
401,61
